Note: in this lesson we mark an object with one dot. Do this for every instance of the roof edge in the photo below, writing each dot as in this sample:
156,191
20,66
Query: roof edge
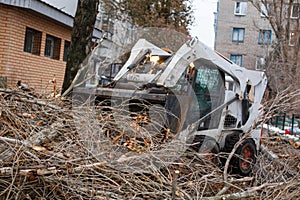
43,8
49,11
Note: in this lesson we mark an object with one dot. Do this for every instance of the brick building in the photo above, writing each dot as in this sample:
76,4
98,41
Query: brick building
34,42
243,34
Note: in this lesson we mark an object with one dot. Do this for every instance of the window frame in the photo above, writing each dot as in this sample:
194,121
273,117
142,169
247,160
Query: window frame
259,65
51,39
262,40
263,10
55,47
242,11
235,56
67,45
32,41
290,38
292,11
238,30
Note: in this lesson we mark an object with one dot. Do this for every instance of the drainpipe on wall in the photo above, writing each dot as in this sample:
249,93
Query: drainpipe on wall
216,23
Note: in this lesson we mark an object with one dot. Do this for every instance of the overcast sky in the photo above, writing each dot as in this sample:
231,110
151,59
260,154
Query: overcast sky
203,27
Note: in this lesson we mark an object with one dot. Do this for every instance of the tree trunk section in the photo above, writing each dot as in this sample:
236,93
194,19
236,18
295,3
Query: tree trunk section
81,40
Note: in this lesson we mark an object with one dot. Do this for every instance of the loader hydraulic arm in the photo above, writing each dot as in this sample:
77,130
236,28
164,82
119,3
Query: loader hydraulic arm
196,54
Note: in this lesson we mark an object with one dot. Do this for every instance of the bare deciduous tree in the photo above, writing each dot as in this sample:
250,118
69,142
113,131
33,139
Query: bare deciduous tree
175,15
283,63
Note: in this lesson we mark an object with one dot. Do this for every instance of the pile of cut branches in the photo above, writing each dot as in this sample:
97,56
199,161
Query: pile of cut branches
50,149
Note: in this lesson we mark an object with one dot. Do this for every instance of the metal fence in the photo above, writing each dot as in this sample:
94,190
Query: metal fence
289,123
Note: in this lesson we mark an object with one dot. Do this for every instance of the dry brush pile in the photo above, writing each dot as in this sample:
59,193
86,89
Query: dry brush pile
49,150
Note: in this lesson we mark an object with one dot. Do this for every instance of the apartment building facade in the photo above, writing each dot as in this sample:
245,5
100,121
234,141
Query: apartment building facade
243,34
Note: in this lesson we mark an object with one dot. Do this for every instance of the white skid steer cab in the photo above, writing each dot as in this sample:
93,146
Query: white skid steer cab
194,88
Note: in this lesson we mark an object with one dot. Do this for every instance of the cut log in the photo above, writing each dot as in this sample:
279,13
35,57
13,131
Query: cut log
296,145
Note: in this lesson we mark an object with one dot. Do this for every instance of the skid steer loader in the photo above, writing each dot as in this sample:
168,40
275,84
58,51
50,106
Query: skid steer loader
194,86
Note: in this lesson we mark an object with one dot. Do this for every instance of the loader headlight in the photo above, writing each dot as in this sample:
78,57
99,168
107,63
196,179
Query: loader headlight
192,65
154,59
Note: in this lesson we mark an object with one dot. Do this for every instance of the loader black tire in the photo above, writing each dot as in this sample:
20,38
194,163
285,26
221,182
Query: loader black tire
245,158
240,163
206,144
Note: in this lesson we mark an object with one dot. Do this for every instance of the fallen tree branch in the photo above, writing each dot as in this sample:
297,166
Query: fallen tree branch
40,102
15,141
14,92
88,166
82,68
25,172
72,162
30,99
251,192
225,171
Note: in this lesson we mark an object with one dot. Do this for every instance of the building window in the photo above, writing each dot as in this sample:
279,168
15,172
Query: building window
107,23
240,8
66,50
295,11
260,63
52,47
292,38
238,34
237,59
265,37
263,10
32,41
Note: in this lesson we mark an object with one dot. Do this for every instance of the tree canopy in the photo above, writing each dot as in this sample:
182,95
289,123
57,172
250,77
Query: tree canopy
174,14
